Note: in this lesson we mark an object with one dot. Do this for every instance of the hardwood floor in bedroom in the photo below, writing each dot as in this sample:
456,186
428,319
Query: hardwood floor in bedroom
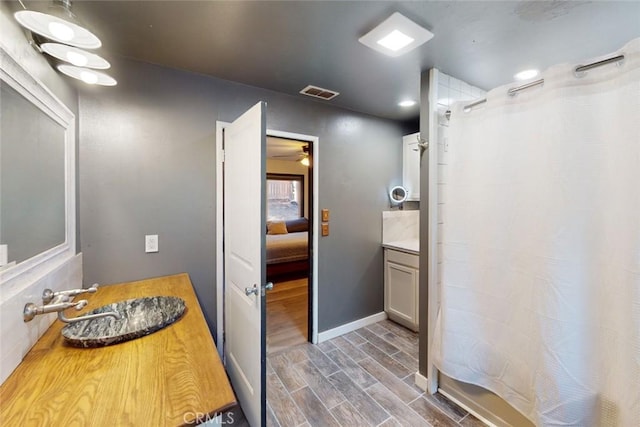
287,314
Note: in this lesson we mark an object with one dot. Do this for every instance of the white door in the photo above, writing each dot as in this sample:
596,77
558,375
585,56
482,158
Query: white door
244,254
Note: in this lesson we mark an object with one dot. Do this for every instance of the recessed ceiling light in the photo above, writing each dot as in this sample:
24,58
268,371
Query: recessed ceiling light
396,36
407,103
75,56
526,74
87,75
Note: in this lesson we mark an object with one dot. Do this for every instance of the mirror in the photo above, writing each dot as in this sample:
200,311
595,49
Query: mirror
398,194
37,172
31,178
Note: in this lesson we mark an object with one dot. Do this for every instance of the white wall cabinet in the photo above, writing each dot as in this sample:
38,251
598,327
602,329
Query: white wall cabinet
411,165
401,276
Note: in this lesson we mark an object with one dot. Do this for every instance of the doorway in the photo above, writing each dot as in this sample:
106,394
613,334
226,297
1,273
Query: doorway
313,212
289,215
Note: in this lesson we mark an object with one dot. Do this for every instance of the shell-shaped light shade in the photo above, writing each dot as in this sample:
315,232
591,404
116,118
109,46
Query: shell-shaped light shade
75,56
87,75
57,29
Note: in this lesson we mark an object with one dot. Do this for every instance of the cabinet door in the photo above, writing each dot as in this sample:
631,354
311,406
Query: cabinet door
416,298
411,166
400,293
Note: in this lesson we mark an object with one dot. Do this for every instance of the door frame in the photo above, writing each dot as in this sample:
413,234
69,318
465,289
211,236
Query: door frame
314,140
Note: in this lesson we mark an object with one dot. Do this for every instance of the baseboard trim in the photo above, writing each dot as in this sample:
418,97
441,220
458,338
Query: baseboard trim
421,381
466,408
351,326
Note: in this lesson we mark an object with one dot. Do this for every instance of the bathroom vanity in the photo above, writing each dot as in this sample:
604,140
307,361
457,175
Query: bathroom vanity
400,240
401,284
169,378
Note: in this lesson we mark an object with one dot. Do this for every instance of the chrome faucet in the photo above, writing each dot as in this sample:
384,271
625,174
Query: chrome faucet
61,301
48,295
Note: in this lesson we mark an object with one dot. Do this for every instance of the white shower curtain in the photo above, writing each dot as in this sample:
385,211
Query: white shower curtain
540,297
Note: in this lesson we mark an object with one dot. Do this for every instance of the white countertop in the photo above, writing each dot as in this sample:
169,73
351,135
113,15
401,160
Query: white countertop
411,246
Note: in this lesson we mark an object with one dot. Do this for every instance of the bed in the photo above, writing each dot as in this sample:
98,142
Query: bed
288,253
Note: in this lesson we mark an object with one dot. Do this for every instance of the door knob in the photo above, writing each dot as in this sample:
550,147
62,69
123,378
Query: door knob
254,290
267,287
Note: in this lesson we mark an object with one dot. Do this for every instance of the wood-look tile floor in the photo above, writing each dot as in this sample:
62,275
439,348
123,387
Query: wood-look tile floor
363,378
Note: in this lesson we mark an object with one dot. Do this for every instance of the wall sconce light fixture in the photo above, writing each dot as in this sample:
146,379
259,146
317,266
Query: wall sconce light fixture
60,25
75,56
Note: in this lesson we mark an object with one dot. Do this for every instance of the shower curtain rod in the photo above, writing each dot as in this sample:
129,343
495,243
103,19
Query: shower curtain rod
582,68
514,90
468,108
578,72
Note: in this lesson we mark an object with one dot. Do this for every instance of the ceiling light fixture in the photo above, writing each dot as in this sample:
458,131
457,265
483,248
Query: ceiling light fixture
87,75
75,56
396,36
526,74
407,103
59,24
395,40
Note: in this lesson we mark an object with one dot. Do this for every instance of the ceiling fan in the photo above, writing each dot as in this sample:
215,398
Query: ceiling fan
302,156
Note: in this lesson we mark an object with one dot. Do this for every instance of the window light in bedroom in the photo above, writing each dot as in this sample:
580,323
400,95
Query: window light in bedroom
285,196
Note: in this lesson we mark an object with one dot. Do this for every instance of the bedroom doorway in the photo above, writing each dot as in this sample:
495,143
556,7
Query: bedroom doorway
314,231
289,214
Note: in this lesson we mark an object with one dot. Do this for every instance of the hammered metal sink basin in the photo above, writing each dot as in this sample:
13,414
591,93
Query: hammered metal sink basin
138,317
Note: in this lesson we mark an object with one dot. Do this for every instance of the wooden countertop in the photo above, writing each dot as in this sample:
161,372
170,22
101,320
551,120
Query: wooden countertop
167,378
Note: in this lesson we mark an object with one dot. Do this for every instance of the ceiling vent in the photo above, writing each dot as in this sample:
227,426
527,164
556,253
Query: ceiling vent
318,92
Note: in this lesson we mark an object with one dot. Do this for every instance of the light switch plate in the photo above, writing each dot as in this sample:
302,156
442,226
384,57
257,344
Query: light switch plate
325,229
151,243
4,255
325,215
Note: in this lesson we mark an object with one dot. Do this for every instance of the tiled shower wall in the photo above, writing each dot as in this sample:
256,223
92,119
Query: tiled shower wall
449,90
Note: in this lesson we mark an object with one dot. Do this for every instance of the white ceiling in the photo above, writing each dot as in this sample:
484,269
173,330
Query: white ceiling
286,45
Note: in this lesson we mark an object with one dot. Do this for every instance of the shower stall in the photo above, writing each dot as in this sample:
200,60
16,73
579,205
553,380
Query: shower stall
534,244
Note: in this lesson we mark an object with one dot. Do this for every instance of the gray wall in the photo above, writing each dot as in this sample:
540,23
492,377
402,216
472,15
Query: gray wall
423,307
147,166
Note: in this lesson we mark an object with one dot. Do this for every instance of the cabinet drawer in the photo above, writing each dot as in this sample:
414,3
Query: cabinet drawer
403,258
